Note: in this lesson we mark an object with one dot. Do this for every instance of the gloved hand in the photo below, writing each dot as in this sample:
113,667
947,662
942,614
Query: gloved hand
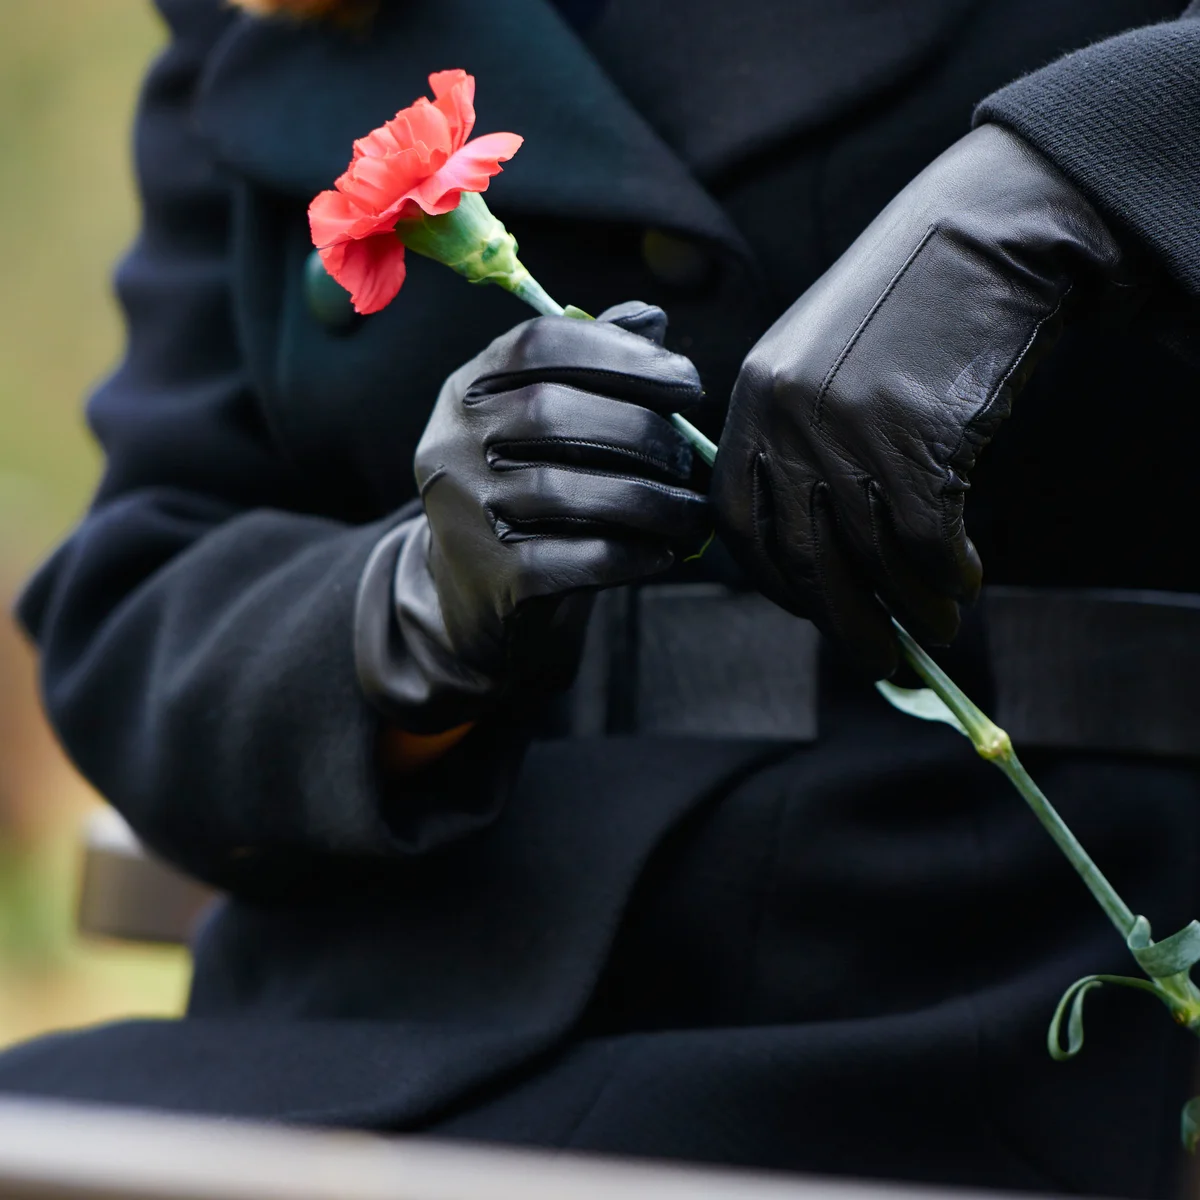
856,418
547,470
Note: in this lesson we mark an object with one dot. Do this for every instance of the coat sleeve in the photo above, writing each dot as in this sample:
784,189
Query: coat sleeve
1121,119
196,628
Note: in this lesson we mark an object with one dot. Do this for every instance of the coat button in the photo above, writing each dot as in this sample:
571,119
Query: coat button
327,300
675,261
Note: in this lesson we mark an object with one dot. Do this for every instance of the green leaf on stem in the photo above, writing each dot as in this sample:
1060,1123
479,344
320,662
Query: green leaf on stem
920,702
1174,954
1075,996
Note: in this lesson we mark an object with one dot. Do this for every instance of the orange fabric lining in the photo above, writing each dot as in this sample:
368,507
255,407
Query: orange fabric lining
402,752
307,10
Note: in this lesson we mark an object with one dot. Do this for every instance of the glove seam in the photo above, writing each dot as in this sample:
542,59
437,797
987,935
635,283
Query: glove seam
677,491
946,504
819,495
893,283
584,443
503,528
762,510
562,375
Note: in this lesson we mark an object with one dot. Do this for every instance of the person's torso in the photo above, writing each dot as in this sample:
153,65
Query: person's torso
714,159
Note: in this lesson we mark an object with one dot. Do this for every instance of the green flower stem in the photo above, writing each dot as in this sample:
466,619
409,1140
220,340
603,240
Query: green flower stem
992,743
1177,991
1182,997
705,447
1115,908
470,240
526,288
536,296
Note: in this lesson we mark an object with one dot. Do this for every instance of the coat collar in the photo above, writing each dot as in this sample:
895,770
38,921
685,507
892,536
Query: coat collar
282,102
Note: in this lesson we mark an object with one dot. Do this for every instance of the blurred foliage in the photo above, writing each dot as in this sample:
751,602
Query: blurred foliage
68,78
69,74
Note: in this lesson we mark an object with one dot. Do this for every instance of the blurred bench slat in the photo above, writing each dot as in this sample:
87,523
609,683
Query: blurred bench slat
68,1152
127,893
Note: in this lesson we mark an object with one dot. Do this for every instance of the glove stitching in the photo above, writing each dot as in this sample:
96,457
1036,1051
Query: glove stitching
525,531
477,393
679,493
827,383
876,506
952,505
760,508
817,497
431,479
581,443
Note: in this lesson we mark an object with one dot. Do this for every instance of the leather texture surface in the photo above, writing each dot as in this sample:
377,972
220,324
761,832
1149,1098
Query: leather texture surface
859,414
548,470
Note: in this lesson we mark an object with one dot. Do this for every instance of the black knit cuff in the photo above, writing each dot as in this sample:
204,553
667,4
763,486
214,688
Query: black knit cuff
1121,119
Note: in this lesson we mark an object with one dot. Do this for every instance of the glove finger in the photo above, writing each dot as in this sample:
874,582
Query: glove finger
785,538
743,496
930,615
646,320
839,598
739,493
558,566
549,499
866,528
550,422
594,356
928,531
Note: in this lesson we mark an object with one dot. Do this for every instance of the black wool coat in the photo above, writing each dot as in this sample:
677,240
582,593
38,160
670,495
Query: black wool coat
829,957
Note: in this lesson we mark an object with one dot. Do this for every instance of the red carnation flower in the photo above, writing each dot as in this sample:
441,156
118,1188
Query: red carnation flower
418,164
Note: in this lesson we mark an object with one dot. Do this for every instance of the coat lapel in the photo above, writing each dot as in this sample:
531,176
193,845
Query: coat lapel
282,102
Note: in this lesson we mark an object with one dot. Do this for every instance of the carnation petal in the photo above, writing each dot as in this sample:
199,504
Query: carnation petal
454,94
467,170
334,217
372,270
419,163
365,184
422,123
376,184
379,143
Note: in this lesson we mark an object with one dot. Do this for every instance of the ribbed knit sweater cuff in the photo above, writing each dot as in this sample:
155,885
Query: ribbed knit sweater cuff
1121,119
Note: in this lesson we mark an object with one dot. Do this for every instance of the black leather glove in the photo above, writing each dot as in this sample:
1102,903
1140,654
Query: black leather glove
855,420
547,470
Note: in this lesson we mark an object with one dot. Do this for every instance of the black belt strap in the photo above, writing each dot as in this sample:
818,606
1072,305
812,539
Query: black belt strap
1096,669
695,660
716,663
1073,669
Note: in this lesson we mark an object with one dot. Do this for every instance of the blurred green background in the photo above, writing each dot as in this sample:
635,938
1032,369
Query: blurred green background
69,74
